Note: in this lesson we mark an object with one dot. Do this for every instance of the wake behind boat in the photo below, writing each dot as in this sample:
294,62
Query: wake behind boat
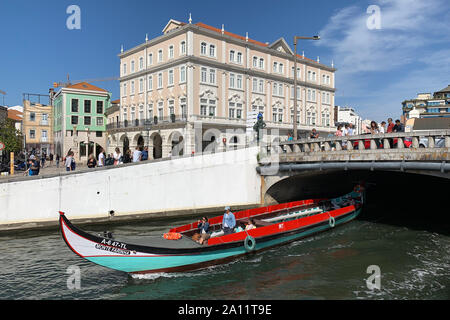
274,225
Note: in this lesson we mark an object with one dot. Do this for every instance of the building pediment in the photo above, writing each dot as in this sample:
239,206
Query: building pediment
171,25
282,46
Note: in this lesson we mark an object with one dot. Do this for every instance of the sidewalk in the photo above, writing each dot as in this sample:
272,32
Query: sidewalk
48,169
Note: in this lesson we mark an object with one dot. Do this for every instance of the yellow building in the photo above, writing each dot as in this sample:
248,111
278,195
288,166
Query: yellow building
37,127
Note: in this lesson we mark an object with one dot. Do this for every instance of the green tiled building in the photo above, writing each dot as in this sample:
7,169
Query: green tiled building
79,121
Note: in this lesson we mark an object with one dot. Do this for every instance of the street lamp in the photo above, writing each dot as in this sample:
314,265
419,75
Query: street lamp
295,79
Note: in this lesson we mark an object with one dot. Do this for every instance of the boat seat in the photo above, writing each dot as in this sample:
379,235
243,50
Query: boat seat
261,223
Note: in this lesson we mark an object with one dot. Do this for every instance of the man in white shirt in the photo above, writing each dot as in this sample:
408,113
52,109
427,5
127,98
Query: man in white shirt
101,158
137,155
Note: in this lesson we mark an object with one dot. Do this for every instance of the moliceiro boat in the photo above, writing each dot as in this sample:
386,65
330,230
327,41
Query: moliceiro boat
275,225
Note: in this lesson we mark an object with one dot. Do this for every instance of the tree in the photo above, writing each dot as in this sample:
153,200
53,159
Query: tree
11,137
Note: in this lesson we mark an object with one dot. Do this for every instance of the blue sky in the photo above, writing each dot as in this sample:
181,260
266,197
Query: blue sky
377,68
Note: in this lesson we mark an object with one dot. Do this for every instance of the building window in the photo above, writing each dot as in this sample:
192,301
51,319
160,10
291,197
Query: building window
150,82
261,86
99,121
255,62
87,106
182,74
74,105
171,107
232,80
150,59
161,109
212,76
124,89
87,121
255,85
280,90
208,107
160,80
239,81
183,47
261,63
281,68
133,113
183,109
141,63
239,110
232,56
132,87
32,134
203,48
239,58
33,115
99,107
170,52
141,85
275,66
74,120
170,78
98,134
325,119
160,55
124,71
132,66
203,106
150,111
125,115
311,117
203,75
212,50
231,109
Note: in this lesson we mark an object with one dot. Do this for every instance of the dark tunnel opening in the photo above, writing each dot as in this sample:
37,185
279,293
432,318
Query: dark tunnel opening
415,201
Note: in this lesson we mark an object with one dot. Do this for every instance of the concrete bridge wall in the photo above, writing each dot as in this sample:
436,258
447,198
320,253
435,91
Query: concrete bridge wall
181,186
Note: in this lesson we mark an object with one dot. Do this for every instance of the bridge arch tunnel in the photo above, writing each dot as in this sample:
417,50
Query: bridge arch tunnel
403,198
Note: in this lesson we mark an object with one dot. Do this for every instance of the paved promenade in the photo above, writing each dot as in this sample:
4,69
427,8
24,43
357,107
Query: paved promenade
48,169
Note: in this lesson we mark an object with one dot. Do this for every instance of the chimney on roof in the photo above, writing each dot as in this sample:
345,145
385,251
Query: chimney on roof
190,18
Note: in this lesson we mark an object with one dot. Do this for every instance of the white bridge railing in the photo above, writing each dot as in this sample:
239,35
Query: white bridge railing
399,140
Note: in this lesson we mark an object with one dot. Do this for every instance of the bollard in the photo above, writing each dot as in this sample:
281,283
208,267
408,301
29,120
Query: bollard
11,163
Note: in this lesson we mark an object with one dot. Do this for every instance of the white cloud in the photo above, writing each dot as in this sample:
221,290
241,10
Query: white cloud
409,53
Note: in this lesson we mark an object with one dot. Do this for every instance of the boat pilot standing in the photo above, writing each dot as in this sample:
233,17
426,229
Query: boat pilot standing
228,221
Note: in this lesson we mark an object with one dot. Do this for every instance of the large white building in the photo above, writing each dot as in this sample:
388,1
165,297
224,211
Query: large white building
196,80
347,115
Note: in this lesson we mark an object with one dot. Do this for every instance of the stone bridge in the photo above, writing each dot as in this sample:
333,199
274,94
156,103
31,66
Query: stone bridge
315,166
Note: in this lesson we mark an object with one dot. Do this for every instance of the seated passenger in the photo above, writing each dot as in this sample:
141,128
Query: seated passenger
250,225
238,229
203,225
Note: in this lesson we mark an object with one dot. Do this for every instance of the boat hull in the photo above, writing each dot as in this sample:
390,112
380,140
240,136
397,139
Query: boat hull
135,259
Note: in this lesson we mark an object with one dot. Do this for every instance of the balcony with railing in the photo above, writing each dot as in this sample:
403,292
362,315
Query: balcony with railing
146,124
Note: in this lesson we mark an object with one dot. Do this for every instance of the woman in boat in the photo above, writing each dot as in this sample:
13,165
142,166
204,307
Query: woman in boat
203,226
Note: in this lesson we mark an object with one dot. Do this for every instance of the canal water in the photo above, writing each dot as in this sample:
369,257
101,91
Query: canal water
413,259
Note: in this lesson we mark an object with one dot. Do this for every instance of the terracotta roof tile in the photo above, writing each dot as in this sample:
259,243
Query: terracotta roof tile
200,24
15,115
86,86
